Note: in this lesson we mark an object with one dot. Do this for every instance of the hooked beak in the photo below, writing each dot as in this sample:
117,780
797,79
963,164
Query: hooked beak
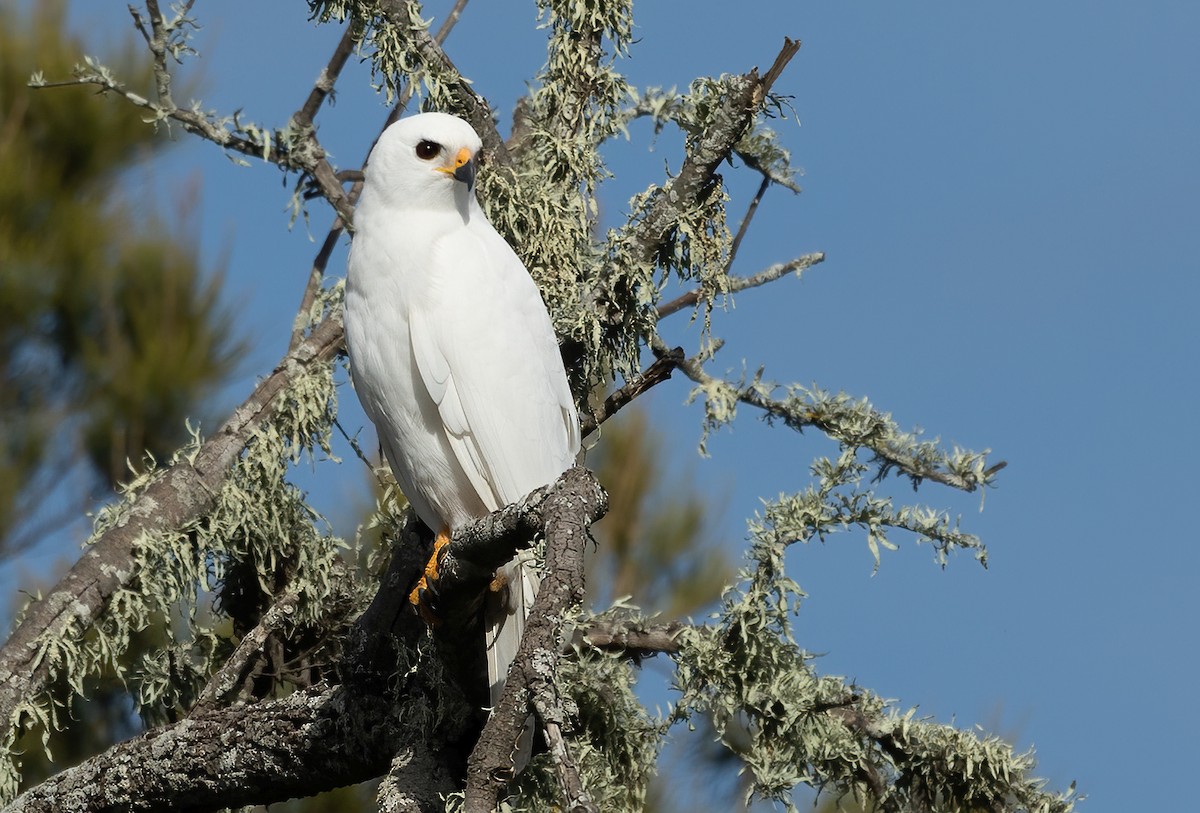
462,168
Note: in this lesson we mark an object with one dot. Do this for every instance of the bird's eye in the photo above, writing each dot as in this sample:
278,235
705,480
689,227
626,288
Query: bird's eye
428,150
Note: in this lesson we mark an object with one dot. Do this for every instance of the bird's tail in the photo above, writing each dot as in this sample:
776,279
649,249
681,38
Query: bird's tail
505,611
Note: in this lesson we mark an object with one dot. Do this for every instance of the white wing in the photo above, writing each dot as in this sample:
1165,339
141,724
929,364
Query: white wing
486,352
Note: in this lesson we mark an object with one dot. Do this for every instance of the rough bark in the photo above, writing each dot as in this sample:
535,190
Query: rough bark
570,507
308,742
392,714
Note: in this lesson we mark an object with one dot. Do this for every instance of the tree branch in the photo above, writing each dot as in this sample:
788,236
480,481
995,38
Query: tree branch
323,87
730,123
878,434
573,503
308,742
641,245
416,782
636,641
736,284
181,494
292,149
577,798
324,737
227,678
747,219
471,105
652,376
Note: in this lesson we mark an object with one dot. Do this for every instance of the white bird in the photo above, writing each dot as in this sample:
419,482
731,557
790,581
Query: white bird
452,352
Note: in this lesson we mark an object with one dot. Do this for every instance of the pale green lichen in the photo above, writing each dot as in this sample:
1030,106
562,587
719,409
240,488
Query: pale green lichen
747,674
744,671
853,422
838,500
613,740
260,520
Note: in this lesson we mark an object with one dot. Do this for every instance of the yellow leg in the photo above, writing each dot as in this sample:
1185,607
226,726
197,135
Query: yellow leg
431,573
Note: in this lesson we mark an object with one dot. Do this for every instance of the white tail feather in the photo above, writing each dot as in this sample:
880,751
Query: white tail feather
505,611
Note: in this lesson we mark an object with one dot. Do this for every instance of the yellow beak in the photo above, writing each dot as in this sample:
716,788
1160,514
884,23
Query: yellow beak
462,168
463,158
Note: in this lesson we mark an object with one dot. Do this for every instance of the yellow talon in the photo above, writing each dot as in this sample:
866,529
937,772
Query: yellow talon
429,577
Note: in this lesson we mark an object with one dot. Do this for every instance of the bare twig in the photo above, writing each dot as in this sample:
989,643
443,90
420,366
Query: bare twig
323,87
652,376
450,21
634,641
736,284
744,226
789,50
316,275
887,453
226,679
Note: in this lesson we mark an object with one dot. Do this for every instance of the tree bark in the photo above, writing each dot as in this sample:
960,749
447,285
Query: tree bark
182,494
391,712
308,742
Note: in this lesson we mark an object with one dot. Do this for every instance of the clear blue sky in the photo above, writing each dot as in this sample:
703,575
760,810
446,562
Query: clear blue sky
1007,197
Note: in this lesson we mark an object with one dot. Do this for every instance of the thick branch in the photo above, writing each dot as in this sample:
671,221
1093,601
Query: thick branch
182,493
323,737
417,782
314,740
311,741
483,545
569,509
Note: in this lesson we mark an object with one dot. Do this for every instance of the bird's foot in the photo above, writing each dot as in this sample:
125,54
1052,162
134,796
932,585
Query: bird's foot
424,595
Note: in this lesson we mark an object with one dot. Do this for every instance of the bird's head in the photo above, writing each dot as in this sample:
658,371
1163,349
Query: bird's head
425,160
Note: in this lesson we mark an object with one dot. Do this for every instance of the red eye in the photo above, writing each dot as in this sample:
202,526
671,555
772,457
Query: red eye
428,150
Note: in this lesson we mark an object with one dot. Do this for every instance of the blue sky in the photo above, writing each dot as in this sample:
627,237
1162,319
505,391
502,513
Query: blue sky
1007,198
